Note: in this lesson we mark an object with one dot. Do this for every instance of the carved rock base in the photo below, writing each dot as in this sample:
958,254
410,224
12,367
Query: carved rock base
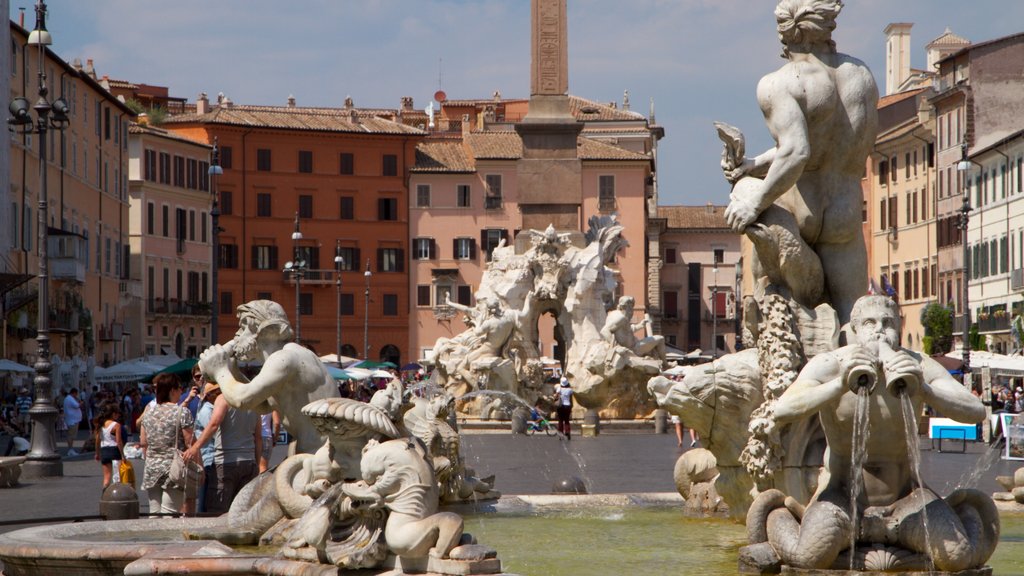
10,470
983,571
484,563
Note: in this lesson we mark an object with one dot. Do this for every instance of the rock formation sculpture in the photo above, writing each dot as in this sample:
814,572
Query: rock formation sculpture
568,276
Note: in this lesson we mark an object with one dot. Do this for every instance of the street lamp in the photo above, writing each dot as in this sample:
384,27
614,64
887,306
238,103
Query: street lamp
714,314
338,263
214,171
297,269
964,167
43,459
366,313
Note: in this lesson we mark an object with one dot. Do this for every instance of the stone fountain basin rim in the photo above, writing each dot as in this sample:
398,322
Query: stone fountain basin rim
59,541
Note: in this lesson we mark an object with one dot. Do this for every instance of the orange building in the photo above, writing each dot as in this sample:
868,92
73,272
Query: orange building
342,174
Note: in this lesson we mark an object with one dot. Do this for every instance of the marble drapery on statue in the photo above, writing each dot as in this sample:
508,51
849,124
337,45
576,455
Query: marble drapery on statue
567,275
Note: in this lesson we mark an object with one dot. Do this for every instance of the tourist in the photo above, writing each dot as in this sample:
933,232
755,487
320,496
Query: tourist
563,407
72,419
109,443
237,443
23,403
191,400
210,393
270,426
164,428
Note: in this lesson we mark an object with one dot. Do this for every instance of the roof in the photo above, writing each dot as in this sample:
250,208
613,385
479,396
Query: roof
707,217
948,39
366,121
121,84
461,157
590,111
898,97
135,128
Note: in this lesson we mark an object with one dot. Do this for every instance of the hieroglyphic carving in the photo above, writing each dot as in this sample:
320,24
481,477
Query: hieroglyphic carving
550,51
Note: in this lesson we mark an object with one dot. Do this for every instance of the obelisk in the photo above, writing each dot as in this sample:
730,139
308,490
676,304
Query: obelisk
549,173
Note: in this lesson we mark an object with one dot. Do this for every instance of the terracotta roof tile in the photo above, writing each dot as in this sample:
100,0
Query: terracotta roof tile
898,97
295,118
707,217
590,149
134,128
494,145
442,157
590,111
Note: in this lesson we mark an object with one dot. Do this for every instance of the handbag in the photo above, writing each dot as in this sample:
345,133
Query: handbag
184,475
127,472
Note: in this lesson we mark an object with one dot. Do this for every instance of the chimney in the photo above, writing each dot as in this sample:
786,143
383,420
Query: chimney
897,55
21,16
710,208
407,104
202,104
226,102
89,69
142,119
349,104
625,99
353,116
77,64
465,125
291,101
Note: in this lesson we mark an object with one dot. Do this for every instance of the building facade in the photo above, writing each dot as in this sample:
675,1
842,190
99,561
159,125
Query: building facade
340,175
87,214
699,278
170,238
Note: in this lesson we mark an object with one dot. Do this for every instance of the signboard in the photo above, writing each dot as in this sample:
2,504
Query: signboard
1013,429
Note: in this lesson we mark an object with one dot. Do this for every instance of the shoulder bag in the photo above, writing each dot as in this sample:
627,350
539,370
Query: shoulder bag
184,475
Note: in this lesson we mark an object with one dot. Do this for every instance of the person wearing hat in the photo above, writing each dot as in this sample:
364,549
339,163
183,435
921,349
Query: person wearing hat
563,407
209,394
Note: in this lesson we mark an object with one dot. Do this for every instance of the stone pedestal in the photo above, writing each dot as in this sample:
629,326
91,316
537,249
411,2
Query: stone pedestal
591,424
660,421
119,502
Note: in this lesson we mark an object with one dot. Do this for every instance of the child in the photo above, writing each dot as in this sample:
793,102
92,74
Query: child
108,439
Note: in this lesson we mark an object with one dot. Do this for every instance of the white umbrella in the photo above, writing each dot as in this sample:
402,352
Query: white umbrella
340,360
381,374
14,368
358,373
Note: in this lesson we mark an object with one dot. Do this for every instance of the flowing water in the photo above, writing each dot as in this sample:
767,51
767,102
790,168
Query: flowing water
914,454
857,456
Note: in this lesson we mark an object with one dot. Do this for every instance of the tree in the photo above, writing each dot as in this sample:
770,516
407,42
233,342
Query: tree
938,328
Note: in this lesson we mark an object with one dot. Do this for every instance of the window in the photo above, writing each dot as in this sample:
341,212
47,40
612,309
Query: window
226,305
894,168
347,164
348,305
225,203
906,166
305,206
311,254
192,225
347,208
423,195
883,172
490,238
462,195
464,248
883,215
719,255
390,305
387,209
390,260
179,171
424,249
228,256
167,221
423,295
493,198
390,165
264,257
349,258
670,255
225,157
305,161
192,174
263,205
165,168
150,218
263,159
670,304
463,294
203,227
606,192
306,304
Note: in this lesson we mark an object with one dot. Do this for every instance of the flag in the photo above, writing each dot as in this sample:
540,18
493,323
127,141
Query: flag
888,289
872,287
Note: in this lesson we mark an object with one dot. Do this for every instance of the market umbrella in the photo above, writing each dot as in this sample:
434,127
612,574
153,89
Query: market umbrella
381,374
181,369
338,373
14,368
371,365
411,367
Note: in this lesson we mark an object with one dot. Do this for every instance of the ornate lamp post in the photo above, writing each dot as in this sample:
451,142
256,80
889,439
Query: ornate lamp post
366,313
297,269
43,459
215,171
338,263
964,167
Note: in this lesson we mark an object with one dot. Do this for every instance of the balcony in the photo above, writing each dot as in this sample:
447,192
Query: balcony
112,332
312,277
992,323
174,307
63,321
492,202
606,204
67,270
444,312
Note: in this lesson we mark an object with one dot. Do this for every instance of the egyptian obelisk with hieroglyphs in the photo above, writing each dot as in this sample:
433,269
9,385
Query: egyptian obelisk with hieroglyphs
549,173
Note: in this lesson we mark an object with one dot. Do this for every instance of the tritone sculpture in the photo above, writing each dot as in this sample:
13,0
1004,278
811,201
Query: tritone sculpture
823,367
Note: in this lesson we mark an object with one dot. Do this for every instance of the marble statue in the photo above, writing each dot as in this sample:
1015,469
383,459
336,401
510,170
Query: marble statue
894,509
569,276
820,108
292,375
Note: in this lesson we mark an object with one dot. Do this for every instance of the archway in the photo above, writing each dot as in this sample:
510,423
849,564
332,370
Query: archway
350,351
391,353
179,344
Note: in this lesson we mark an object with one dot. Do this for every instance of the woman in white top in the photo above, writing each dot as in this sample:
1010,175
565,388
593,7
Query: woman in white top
108,439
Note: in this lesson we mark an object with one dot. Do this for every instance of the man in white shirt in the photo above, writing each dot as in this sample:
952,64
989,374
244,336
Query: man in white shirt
72,417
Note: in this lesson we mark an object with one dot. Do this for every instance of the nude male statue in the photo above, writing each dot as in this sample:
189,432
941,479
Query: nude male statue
292,375
820,108
889,506
619,329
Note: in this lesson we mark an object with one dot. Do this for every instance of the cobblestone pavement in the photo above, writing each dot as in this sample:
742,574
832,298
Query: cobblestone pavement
610,463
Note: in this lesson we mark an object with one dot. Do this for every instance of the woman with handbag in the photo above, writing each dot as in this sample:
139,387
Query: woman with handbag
165,430
108,439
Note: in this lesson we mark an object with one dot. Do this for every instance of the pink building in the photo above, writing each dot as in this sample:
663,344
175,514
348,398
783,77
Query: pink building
464,201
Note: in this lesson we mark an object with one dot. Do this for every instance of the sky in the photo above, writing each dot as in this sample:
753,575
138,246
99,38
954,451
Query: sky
698,60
